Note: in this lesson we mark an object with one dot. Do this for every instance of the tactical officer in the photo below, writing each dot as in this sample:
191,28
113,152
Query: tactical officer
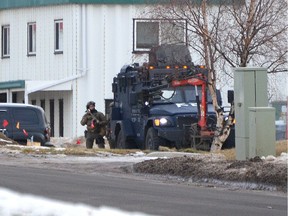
96,126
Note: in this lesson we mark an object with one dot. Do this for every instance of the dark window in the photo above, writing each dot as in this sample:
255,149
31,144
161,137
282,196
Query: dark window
52,117
25,116
58,26
61,116
3,117
42,104
5,41
3,97
31,39
14,97
5,125
33,102
148,33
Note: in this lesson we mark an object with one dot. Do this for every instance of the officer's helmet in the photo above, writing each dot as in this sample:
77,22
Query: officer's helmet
90,103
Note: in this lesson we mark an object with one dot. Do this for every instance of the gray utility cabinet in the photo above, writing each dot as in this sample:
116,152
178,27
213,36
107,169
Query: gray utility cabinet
250,90
262,131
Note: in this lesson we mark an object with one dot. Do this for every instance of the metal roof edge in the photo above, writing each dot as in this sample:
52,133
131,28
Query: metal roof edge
12,84
10,4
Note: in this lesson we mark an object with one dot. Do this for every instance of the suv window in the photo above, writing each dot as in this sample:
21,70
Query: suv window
3,117
185,94
26,116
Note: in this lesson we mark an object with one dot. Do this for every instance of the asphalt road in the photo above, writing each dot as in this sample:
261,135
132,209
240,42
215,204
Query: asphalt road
133,194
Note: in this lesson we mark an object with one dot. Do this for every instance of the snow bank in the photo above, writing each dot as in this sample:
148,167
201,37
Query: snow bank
283,158
13,203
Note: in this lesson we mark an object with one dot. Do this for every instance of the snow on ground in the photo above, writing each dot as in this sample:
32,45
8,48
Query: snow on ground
283,158
17,204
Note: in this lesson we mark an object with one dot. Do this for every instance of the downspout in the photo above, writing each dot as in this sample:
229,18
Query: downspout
84,37
82,70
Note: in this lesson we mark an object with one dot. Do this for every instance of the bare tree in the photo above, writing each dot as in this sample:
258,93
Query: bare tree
256,34
231,34
202,31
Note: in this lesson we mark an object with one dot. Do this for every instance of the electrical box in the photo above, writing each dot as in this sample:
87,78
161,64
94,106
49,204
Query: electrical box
250,90
262,131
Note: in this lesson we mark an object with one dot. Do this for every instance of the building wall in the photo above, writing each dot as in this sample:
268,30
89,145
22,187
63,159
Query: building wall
45,65
110,45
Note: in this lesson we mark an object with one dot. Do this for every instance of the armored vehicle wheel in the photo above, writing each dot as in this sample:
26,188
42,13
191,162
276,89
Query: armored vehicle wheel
152,141
120,141
196,141
112,144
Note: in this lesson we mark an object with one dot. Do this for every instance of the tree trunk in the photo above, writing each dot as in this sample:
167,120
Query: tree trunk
223,129
222,126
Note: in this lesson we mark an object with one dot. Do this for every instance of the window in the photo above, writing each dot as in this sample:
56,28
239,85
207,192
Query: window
5,41
58,44
42,104
31,39
52,113
61,117
3,97
25,116
14,97
149,33
5,125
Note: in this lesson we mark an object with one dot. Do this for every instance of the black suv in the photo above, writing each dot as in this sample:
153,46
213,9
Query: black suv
22,121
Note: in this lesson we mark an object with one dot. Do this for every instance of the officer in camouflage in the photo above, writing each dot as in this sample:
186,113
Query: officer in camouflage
96,126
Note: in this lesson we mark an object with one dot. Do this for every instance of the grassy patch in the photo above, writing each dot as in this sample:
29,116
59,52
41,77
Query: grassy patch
230,154
281,146
71,150
192,150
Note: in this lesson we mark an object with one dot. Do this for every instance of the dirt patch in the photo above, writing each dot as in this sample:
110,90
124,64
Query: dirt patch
211,169
256,171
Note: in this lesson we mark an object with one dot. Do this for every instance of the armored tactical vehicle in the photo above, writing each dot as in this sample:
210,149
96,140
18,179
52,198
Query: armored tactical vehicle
163,102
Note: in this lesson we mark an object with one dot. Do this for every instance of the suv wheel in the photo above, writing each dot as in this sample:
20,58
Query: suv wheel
120,141
152,141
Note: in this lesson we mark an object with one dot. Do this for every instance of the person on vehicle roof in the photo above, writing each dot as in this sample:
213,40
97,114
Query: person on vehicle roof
96,126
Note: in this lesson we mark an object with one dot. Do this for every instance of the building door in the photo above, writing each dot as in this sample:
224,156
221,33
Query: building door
14,97
52,113
42,104
61,116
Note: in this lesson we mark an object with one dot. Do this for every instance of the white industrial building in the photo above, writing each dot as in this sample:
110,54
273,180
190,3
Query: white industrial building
60,54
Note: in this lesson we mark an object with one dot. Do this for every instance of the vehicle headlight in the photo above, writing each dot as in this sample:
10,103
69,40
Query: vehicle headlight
162,122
